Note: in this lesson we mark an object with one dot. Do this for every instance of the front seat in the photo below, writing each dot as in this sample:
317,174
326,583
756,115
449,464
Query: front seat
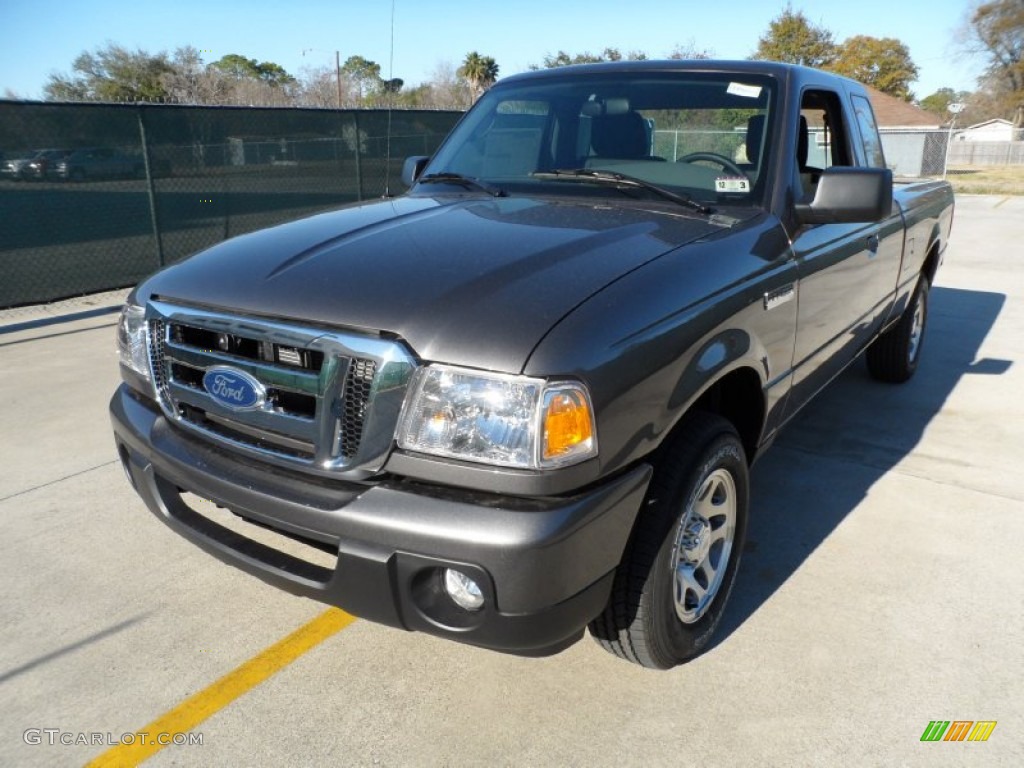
809,175
755,133
622,137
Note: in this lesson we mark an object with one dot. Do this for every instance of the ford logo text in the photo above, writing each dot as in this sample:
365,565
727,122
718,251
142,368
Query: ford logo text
234,389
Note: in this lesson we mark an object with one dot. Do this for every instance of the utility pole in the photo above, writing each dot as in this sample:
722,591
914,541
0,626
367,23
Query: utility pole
955,109
337,69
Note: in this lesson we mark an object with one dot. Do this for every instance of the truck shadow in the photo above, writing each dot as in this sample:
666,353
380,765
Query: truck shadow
826,460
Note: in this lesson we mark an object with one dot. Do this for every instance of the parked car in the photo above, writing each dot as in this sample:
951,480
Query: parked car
93,163
13,167
40,166
523,398
20,167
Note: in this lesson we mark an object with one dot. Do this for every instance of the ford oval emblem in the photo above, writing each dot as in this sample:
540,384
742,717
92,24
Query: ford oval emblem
233,388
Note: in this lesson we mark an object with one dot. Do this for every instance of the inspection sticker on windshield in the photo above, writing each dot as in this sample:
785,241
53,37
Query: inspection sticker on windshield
746,91
732,185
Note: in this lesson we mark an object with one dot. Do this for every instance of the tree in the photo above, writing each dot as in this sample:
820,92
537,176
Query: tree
792,39
446,89
237,67
363,72
883,63
273,74
689,50
318,87
563,59
479,72
192,81
256,83
112,73
996,30
240,68
938,102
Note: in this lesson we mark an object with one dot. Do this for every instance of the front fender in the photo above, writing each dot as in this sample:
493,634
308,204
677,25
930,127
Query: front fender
653,343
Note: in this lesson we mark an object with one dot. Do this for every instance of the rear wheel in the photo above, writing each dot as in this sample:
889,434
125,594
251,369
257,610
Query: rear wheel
680,564
894,355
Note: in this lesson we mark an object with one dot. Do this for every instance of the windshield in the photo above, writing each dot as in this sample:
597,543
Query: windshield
700,135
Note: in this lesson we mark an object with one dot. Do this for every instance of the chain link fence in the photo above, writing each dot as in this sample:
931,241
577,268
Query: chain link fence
915,153
910,152
937,153
96,196
674,144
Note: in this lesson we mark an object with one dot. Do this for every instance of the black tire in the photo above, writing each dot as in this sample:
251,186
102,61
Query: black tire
893,356
642,622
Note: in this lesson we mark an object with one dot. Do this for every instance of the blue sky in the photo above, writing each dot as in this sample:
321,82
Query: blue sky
44,36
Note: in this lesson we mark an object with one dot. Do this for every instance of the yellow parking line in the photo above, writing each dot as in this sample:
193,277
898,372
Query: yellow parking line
195,709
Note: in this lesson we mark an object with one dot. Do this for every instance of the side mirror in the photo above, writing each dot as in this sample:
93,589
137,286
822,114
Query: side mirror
849,196
412,168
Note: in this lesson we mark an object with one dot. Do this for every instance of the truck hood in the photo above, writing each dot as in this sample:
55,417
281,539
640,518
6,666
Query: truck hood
462,280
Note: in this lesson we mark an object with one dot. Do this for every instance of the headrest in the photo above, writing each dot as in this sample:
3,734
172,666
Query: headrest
622,136
755,135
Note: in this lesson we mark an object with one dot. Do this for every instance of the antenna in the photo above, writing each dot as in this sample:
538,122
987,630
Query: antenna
391,101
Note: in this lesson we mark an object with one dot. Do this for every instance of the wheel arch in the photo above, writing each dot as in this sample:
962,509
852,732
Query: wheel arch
932,257
737,395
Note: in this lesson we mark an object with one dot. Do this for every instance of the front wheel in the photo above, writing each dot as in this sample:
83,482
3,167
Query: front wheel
893,356
680,564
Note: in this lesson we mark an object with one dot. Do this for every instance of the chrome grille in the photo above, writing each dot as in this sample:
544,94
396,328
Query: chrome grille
325,408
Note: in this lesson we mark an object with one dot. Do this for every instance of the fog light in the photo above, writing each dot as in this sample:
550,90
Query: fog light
463,590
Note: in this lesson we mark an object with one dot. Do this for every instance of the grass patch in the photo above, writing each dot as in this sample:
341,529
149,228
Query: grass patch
989,180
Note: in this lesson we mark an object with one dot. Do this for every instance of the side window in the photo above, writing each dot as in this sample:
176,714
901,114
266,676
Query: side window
822,140
869,132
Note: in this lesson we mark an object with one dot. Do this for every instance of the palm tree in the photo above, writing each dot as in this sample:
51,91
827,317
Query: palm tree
479,71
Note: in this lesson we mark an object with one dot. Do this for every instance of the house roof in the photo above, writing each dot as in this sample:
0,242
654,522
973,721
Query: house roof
994,121
891,112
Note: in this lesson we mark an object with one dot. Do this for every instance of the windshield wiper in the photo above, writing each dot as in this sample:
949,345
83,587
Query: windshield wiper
466,181
622,179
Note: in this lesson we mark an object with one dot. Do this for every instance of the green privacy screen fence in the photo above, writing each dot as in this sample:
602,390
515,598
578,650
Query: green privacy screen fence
95,197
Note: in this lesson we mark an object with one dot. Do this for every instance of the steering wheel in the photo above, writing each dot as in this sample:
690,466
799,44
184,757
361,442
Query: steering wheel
713,157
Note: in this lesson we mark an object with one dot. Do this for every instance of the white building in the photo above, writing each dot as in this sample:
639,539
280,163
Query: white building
990,130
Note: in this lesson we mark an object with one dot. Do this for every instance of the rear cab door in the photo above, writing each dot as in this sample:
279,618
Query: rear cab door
847,271
892,231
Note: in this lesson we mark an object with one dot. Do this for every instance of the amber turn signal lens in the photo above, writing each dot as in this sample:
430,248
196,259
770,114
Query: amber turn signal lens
568,425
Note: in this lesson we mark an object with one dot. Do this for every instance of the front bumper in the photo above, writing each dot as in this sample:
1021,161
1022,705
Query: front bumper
545,565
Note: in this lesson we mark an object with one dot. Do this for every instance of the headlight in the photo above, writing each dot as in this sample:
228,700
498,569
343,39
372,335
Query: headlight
131,340
508,421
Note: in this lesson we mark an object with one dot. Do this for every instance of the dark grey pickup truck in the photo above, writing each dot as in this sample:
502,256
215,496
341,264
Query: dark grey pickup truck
522,398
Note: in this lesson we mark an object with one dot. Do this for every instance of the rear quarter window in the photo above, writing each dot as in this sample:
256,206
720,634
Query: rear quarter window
873,153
